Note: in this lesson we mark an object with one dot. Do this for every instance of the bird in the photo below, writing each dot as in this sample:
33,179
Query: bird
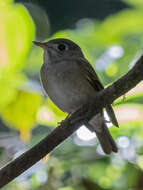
70,82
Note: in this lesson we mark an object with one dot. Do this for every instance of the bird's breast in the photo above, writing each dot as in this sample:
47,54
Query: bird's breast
67,88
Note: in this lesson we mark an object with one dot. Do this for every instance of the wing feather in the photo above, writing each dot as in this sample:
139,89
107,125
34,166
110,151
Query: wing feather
93,79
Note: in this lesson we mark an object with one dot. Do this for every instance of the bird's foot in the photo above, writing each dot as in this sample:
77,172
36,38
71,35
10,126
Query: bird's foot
63,122
124,97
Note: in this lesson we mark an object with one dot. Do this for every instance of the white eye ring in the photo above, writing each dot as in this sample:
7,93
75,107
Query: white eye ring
62,47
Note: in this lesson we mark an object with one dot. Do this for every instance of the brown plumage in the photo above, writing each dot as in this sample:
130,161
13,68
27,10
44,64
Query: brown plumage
70,81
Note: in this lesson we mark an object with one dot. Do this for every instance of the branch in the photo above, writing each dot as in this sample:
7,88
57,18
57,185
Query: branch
70,125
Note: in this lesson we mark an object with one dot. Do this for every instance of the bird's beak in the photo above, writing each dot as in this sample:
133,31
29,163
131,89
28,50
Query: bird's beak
41,44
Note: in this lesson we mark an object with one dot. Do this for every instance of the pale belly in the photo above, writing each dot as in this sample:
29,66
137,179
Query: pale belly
69,91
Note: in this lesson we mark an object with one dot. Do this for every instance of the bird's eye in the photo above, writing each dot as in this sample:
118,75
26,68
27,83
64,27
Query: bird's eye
62,47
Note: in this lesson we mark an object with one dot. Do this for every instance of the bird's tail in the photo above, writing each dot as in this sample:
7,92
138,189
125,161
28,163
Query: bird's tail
98,125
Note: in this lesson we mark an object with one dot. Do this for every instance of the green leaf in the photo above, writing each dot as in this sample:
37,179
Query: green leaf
16,35
22,111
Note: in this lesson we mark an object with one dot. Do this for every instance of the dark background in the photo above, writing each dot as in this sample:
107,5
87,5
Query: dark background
64,14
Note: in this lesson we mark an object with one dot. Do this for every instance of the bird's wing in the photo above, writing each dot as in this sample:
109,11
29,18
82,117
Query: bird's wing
93,79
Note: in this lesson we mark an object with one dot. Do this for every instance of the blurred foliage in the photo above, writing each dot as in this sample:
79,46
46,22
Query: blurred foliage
112,47
21,113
